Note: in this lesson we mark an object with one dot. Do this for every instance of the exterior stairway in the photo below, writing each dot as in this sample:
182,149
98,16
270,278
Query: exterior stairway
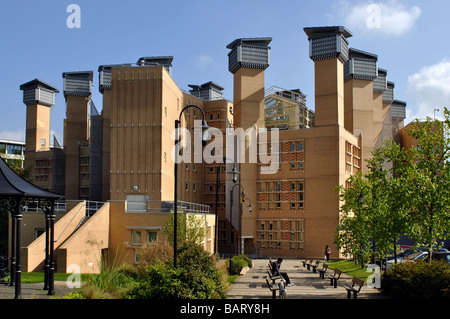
80,231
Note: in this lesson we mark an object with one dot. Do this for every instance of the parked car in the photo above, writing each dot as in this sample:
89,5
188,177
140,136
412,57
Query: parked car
441,255
408,256
417,256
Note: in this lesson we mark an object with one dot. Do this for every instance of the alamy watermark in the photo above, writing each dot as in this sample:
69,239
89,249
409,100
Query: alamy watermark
373,21
374,280
74,280
74,19
243,146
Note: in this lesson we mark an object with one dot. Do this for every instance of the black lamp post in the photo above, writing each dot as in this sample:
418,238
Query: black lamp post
243,195
233,172
204,127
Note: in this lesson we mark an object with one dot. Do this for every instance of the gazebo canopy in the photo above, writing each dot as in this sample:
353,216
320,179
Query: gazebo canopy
12,185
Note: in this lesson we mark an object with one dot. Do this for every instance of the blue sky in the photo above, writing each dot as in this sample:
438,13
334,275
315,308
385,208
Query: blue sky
409,37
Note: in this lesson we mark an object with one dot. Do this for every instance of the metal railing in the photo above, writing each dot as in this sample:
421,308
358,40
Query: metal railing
152,206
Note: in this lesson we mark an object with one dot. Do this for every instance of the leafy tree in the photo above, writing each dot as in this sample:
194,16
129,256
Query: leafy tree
353,233
431,180
404,192
190,229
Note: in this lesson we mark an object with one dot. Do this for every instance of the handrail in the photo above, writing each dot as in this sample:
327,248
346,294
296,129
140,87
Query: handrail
84,205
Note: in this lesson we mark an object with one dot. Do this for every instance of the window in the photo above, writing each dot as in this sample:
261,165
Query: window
300,146
187,167
300,200
151,236
210,188
292,186
135,237
165,111
187,187
292,146
164,156
300,165
194,187
263,187
194,167
42,142
292,165
211,116
38,232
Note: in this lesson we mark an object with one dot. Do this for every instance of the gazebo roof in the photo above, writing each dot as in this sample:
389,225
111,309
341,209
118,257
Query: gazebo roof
12,185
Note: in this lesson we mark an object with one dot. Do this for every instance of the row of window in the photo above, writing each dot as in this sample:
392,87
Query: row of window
276,186
297,146
12,149
209,115
271,233
137,236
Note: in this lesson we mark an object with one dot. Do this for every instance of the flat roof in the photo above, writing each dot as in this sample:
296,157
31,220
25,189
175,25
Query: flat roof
318,32
157,59
38,83
260,42
359,53
87,74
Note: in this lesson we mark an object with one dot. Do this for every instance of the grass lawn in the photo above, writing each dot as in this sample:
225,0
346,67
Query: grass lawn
350,268
37,277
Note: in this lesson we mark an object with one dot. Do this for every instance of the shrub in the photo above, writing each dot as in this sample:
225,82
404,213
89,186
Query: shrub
196,277
417,280
158,250
238,262
160,282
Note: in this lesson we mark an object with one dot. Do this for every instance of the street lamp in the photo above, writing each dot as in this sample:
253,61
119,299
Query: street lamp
204,127
234,172
243,197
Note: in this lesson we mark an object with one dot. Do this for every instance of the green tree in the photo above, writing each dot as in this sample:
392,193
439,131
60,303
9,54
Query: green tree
430,181
404,192
191,228
353,234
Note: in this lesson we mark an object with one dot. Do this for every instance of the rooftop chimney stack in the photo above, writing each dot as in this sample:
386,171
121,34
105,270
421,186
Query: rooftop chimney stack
328,48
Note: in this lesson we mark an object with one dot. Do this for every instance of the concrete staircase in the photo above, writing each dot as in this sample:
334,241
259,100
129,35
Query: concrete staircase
80,236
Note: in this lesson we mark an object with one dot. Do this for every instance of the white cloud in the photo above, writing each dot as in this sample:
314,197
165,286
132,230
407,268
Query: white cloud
430,87
389,18
18,135
204,61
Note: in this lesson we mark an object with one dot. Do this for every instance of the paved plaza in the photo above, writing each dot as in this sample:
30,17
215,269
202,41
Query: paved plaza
307,284
251,285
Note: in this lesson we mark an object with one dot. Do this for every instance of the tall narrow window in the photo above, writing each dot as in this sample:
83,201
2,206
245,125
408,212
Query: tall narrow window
135,237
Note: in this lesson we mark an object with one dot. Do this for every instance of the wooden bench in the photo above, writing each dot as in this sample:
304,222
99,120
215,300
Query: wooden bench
274,287
273,278
305,262
334,277
355,288
314,265
323,270
270,264
308,264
